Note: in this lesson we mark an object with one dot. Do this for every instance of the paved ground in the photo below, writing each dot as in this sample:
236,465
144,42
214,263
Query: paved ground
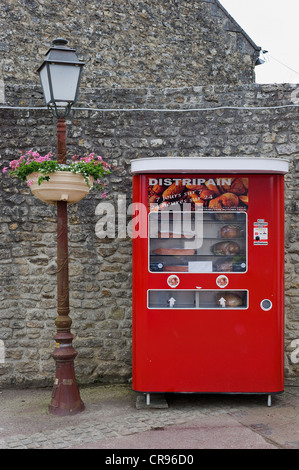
112,420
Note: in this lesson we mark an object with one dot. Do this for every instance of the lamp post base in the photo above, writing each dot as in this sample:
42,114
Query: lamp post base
66,399
65,395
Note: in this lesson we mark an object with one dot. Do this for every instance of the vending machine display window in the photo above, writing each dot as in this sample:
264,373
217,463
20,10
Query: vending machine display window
197,242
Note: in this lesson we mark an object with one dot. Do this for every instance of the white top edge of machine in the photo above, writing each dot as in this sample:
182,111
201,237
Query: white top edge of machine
209,165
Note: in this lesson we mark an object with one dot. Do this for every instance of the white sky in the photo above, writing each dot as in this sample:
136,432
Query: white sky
272,25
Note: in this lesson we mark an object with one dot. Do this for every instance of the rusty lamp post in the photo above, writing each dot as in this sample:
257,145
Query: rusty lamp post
60,77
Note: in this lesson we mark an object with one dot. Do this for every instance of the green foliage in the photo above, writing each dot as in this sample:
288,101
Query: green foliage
33,162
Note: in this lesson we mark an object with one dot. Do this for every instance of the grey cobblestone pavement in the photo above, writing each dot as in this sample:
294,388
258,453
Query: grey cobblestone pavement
111,420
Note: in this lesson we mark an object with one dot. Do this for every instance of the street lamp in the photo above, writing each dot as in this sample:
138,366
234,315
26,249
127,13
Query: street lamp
60,77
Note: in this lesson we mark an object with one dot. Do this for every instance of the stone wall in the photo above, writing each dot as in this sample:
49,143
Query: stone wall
161,79
128,43
100,269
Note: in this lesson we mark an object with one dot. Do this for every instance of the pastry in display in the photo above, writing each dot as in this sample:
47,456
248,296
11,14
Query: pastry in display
230,231
173,234
173,251
235,264
225,248
225,265
229,299
225,216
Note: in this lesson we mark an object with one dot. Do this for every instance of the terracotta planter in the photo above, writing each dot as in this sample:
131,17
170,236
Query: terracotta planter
62,186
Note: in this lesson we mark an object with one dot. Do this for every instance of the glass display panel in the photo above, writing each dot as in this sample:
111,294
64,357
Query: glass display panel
193,242
198,299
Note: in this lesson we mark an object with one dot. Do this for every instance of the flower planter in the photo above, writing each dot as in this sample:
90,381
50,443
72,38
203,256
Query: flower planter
62,186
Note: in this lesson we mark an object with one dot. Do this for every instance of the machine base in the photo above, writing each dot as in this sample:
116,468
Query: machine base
157,399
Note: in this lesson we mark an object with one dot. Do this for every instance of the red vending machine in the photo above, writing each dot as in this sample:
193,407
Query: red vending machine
208,275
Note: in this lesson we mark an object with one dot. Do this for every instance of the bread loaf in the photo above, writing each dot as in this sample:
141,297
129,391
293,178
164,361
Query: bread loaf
230,231
177,235
176,269
225,248
231,299
173,251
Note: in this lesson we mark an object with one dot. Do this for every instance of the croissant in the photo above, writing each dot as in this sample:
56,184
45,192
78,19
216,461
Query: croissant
207,194
195,198
195,187
244,199
225,200
173,191
212,187
158,189
239,186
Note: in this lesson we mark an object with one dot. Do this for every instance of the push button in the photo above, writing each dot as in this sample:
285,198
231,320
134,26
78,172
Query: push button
266,304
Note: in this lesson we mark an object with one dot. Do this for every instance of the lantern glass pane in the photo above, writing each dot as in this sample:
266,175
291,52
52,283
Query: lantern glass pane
43,74
64,82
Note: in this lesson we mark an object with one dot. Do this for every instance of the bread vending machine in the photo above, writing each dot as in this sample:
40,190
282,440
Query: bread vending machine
208,275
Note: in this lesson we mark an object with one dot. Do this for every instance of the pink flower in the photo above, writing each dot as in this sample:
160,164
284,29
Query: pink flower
14,164
29,182
4,169
87,159
34,154
104,195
